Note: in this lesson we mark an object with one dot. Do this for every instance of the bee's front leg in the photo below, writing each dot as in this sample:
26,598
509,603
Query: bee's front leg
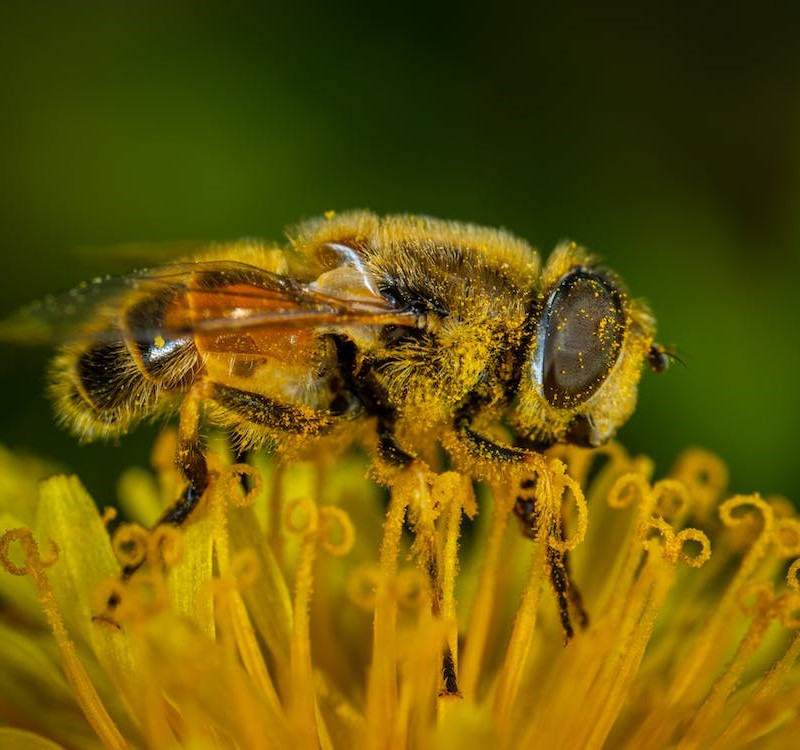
568,596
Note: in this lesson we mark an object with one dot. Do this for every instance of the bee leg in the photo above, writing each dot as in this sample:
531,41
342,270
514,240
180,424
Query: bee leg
191,461
272,413
388,448
243,457
567,594
568,597
574,593
276,415
559,580
525,508
179,511
361,387
175,515
449,678
390,451
481,447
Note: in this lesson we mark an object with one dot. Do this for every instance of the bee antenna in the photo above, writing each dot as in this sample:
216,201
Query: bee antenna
659,358
675,357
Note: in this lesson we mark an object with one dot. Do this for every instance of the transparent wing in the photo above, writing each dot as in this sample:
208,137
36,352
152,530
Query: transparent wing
59,318
207,297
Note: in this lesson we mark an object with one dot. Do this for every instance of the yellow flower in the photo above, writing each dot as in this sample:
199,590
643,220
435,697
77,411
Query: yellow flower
299,613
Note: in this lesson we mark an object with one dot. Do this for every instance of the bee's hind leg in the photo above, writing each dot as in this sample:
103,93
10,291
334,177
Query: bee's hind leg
191,460
190,457
180,510
175,515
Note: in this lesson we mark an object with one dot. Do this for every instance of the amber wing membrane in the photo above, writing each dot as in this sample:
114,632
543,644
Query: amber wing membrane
222,295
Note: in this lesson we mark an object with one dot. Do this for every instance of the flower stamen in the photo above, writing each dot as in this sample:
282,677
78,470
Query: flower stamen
83,688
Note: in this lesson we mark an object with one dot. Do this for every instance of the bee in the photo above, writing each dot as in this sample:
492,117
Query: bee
398,332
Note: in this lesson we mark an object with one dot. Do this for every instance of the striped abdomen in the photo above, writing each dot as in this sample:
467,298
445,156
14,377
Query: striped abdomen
125,371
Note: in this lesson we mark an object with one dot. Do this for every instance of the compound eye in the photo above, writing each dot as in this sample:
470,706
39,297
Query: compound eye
580,336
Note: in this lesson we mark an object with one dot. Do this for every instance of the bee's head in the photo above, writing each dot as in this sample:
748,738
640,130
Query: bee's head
583,361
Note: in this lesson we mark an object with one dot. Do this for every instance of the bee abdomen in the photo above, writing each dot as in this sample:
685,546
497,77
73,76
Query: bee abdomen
102,389
165,356
106,380
98,389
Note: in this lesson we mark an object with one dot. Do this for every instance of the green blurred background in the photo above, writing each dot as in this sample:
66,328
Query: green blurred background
669,142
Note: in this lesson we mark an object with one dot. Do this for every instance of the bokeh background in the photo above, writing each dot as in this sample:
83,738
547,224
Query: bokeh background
669,142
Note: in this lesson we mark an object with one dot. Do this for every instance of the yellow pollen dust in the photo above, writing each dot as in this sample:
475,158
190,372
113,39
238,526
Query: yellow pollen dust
305,607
